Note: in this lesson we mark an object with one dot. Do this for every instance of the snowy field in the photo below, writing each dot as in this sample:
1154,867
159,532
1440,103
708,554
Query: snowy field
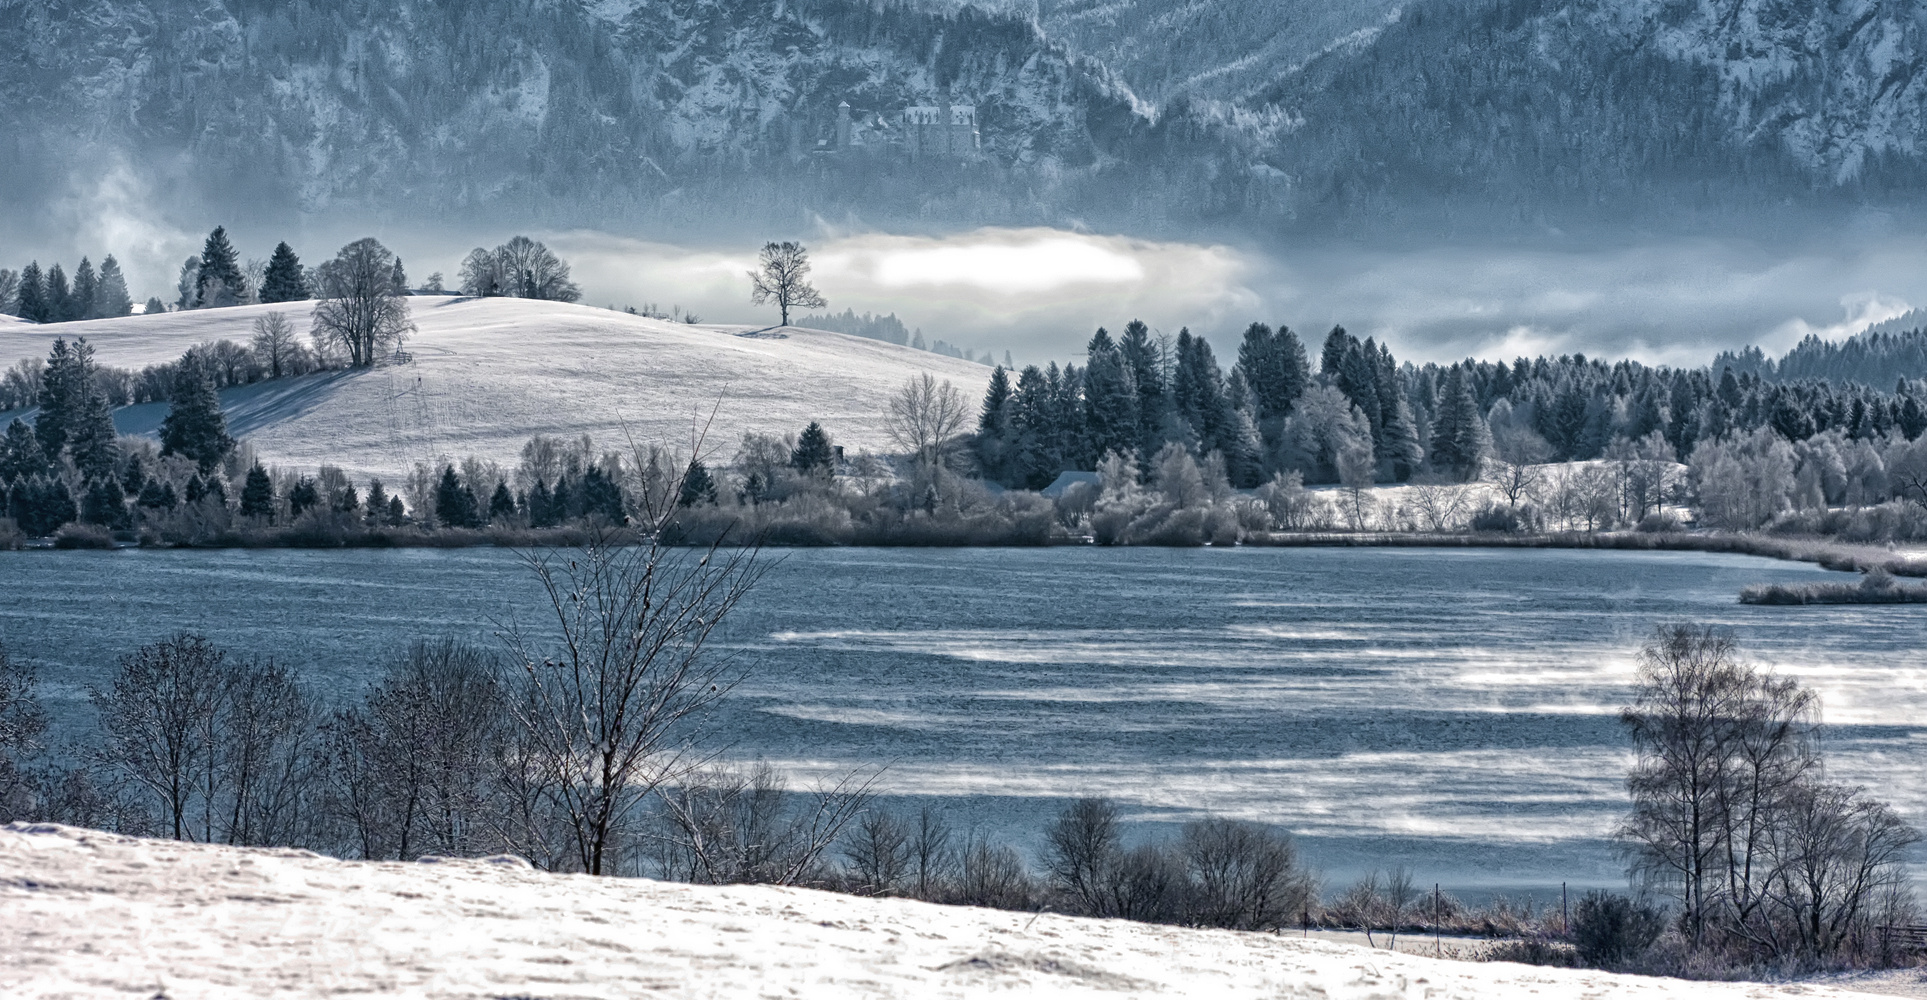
86,914
486,374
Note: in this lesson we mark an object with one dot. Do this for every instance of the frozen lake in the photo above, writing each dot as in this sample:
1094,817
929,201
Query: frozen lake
1453,710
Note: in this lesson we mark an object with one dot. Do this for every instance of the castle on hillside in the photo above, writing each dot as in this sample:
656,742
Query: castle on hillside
943,131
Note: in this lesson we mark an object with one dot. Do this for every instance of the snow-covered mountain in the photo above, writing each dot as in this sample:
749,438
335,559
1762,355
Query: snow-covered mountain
88,914
1742,103
486,374
1125,113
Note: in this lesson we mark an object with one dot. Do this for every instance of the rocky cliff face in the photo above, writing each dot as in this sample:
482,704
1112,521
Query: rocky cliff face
571,112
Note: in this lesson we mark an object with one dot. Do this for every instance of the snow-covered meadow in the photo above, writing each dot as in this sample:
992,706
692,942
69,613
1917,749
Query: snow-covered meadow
88,914
485,374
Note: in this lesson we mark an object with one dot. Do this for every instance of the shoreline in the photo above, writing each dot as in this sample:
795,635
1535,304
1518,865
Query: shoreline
1847,557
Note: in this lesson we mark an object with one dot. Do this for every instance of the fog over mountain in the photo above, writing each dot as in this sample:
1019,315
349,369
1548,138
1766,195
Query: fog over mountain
1333,149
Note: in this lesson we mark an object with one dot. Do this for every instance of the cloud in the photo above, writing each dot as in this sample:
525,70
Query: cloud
1036,292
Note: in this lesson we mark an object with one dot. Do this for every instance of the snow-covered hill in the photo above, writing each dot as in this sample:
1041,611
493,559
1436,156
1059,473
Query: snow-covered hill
486,374
86,914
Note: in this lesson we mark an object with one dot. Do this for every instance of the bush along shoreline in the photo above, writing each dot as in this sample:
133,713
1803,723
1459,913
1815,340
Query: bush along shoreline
1877,586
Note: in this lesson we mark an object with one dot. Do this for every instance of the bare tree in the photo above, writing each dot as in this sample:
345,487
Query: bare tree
726,825
1730,817
411,769
160,718
1515,481
361,310
1441,504
275,343
266,731
1080,848
22,721
623,663
931,859
925,418
1242,875
782,276
522,268
879,852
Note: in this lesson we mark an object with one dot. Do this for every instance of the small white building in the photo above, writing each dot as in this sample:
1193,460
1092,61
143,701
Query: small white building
948,130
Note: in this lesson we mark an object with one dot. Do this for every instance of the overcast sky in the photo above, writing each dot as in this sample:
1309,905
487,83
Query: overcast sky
1038,293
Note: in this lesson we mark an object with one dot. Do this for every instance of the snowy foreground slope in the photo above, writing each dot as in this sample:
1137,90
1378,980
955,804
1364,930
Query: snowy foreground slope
86,914
486,374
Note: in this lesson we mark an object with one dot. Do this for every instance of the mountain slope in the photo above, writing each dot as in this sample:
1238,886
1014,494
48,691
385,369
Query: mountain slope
486,374
707,113
551,110
86,914
1744,103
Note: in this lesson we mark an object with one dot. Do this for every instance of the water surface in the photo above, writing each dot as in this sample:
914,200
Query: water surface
1453,710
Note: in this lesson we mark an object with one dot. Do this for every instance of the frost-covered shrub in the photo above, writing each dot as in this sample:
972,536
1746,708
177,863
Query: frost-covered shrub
83,536
1611,931
1658,521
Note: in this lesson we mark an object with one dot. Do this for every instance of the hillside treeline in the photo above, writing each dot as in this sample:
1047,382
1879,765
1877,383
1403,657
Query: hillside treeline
1163,443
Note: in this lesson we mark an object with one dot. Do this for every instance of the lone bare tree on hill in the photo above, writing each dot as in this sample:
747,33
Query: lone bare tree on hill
783,278
363,309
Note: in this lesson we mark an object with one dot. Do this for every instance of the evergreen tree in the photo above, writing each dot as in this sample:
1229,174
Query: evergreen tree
1028,458
1275,369
92,440
698,486
1145,359
284,280
1357,378
455,503
602,496
61,383
501,503
154,306
219,282
1459,435
41,505
110,295
397,512
105,505
303,497
86,291
1197,393
60,298
346,500
1399,446
993,427
194,425
377,500
1110,400
541,506
399,278
196,488
31,299
1332,355
134,480
156,496
20,455
257,494
813,455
